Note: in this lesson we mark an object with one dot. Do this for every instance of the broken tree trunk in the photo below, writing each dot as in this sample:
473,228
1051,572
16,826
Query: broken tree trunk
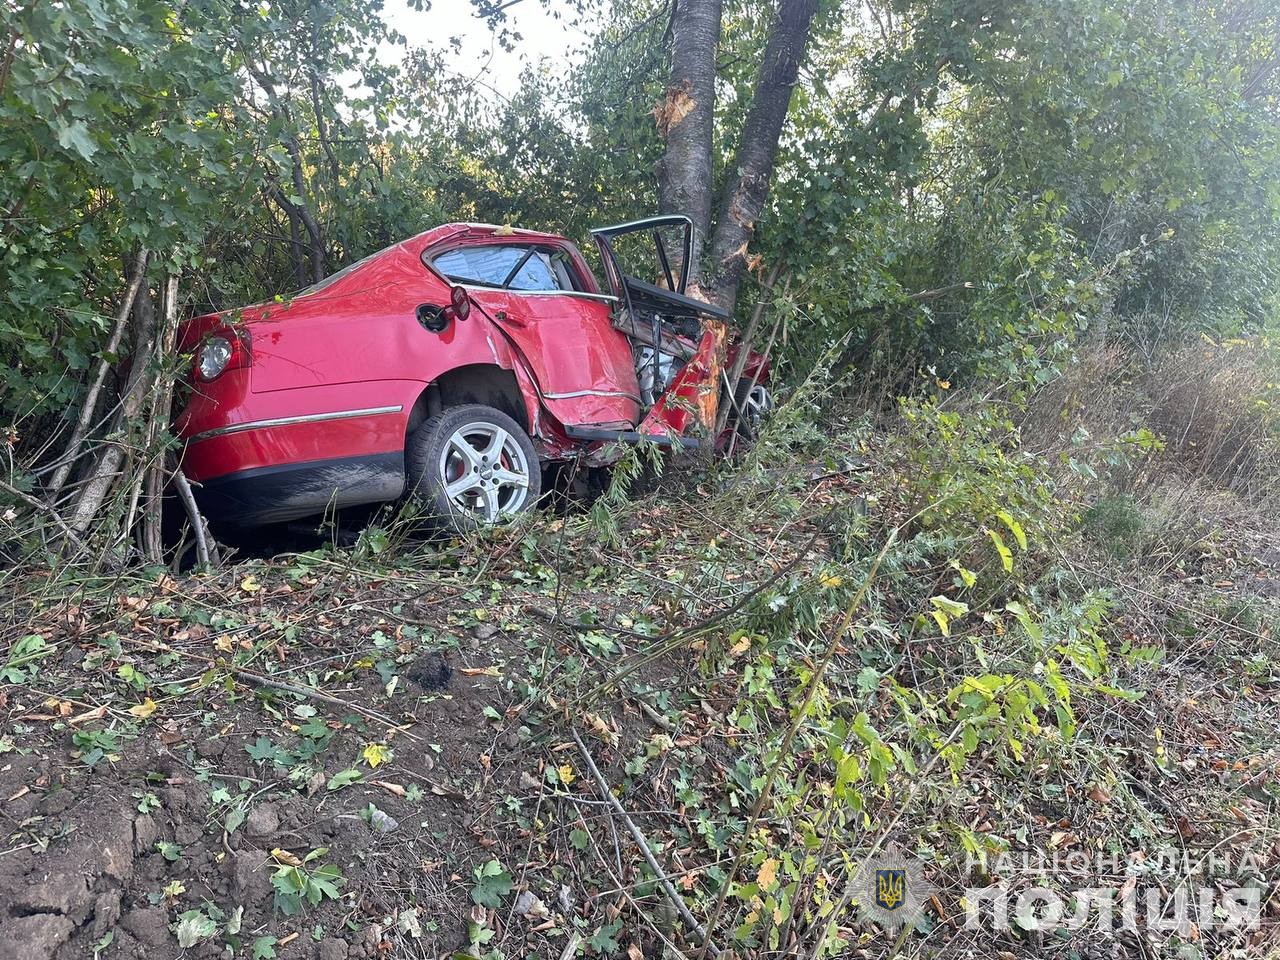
686,118
745,195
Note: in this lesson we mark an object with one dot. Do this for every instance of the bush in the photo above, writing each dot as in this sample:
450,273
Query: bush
1116,523
1218,409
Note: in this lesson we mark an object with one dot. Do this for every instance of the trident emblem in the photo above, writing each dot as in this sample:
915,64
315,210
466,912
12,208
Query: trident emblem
891,888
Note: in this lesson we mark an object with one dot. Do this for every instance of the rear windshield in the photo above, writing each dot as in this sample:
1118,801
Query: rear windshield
507,267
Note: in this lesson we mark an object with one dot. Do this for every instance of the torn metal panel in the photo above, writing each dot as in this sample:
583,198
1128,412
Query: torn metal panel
689,404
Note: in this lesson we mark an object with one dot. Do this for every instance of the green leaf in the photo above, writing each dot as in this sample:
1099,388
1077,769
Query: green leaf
1014,527
192,927
967,576
235,817
1006,556
1034,630
328,880
264,750
952,608
603,942
492,883
264,948
170,851
344,778
75,136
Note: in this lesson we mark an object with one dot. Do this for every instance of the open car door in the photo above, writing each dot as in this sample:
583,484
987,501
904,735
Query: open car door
679,341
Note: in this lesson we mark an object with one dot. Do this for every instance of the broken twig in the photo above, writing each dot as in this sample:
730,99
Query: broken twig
676,900
193,512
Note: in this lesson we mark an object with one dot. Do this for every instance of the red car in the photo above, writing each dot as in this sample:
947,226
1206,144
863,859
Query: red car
454,365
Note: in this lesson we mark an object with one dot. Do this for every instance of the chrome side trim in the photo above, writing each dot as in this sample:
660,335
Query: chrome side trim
590,393
285,421
581,294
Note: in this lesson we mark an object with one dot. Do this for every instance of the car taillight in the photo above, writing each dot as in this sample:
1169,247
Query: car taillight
224,350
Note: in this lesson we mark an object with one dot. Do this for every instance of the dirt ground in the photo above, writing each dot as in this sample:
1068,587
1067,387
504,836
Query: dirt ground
85,860
403,731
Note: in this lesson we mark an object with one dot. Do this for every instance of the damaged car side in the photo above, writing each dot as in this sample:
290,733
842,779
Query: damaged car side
453,366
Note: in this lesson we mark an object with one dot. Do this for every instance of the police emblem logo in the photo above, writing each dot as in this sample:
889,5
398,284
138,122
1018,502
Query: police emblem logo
891,888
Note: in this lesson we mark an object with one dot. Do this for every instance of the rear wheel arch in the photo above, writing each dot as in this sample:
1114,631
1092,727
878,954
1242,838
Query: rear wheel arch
475,383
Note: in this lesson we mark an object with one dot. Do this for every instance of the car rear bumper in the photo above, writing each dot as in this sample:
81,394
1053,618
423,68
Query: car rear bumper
275,494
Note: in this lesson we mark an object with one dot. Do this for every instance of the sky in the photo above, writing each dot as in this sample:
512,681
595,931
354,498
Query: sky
544,38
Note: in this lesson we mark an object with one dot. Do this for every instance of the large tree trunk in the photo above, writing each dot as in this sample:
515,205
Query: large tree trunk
686,118
744,197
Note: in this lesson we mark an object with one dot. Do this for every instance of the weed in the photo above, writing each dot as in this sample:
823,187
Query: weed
295,883
24,658
490,883
1116,524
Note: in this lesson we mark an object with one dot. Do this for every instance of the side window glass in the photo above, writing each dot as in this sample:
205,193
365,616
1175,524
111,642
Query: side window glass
488,266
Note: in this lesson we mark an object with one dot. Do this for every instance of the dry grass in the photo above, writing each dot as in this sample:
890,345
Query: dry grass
1215,408
1218,409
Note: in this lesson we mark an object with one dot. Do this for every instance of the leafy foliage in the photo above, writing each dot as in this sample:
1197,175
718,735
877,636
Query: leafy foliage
296,883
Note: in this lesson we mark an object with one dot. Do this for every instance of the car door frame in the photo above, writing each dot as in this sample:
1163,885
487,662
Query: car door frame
558,403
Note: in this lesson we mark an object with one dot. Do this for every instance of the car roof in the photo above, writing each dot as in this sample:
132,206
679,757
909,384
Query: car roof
445,231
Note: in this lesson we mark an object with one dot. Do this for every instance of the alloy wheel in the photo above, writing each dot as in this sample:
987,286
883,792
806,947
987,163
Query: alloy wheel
484,471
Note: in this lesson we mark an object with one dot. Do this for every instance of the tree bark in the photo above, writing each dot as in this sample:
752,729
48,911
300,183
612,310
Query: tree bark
322,132
107,469
90,404
757,151
297,212
318,266
157,420
297,249
686,118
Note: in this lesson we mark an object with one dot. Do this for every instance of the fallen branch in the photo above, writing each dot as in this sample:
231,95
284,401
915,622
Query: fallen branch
744,350
767,353
638,836
193,513
42,507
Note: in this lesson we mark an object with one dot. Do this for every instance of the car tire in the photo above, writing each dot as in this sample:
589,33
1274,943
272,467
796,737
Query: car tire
471,466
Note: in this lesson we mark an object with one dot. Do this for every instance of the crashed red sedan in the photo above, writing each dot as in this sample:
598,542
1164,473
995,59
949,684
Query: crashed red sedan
454,366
